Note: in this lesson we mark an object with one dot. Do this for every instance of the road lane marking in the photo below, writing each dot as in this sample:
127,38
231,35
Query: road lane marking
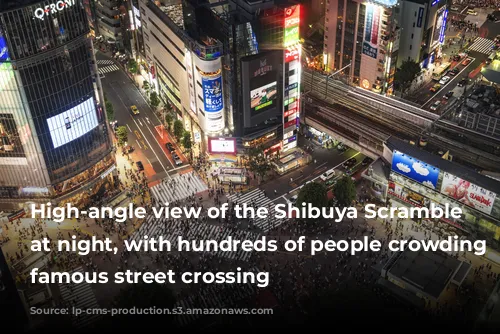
160,147
129,129
139,121
449,82
139,144
154,152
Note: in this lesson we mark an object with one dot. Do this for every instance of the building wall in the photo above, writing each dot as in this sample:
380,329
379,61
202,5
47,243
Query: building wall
50,71
413,18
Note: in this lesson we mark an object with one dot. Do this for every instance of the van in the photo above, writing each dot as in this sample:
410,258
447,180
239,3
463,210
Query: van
328,174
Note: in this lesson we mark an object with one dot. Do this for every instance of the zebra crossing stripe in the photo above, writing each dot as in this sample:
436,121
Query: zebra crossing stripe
153,227
105,62
179,188
258,198
482,45
108,69
81,296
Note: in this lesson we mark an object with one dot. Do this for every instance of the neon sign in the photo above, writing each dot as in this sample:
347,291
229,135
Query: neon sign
53,8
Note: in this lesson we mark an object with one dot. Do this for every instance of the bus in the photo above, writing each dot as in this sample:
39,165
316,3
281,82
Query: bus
440,71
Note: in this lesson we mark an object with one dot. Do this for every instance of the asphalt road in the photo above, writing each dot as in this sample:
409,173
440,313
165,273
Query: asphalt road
146,134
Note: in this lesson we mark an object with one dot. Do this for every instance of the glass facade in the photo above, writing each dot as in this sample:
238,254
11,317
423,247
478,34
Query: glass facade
52,126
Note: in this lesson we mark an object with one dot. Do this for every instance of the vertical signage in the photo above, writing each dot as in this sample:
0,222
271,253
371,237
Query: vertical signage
292,69
420,17
212,93
372,21
189,66
443,27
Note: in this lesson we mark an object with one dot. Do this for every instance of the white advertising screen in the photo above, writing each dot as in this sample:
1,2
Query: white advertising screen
73,123
468,193
222,145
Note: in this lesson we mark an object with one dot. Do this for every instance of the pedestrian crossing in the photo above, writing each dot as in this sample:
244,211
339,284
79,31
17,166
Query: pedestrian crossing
79,296
194,230
482,45
178,188
213,297
108,69
257,198
105,62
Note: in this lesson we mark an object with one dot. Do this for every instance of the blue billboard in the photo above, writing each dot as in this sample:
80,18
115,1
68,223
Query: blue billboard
4,53
415,169
212,93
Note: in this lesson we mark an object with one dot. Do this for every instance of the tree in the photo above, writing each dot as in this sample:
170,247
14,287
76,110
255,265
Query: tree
142,296
187,143
258,163
132,66
145,85
314,193
178,129
110,111
122,135
169,119
345,191
154,100
406,74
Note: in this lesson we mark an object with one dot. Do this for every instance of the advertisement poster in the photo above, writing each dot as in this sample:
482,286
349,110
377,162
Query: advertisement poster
264,96
73,123
212,93
372,14
439,25
292,21
4,53
415,169
468,193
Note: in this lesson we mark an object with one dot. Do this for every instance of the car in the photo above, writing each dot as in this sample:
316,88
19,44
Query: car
455,8
174,154
177,161
140,166
462,82
170,147
454,72
435,88
471,12
456,58
328,174
366,161
491,17
436,105
293,199
466,61
448,95
134,110
341,147
349,163
444,80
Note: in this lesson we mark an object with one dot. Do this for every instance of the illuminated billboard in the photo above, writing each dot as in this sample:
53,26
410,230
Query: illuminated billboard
468,193
440,26
291,26
222,145
73,123
372,21
212,93
4,52
415,169
264,96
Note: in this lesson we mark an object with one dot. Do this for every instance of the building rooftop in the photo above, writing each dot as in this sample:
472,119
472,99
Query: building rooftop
429,272
461,171
175,13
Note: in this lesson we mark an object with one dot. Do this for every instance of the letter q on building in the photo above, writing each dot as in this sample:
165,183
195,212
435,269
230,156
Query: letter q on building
60,5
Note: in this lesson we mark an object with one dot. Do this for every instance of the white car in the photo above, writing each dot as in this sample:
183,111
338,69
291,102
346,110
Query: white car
455,8
328,174
436,105
444,80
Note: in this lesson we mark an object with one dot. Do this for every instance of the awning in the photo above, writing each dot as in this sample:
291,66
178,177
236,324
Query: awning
222,157
492,72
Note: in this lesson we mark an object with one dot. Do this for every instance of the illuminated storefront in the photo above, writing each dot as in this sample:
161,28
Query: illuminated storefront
52,126
417,183
292,70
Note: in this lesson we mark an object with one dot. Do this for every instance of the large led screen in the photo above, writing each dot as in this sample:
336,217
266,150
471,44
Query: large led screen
73,123
440,25
468,193
415,169
222,145
264,96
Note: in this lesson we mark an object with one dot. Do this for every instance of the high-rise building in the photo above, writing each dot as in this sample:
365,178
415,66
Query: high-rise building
423,25
362,40
227,68
54,140
109,22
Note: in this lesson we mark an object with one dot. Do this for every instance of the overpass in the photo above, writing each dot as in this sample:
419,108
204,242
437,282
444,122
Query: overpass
364,120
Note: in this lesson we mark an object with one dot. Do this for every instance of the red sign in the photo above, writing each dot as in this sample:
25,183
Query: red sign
290,112
292,12
290,123
375,26
291,54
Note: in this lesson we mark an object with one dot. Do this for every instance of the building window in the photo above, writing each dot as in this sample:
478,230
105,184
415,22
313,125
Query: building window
148,48
415,14
326,20
326,37
413,24
146,36
411,36
410,46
